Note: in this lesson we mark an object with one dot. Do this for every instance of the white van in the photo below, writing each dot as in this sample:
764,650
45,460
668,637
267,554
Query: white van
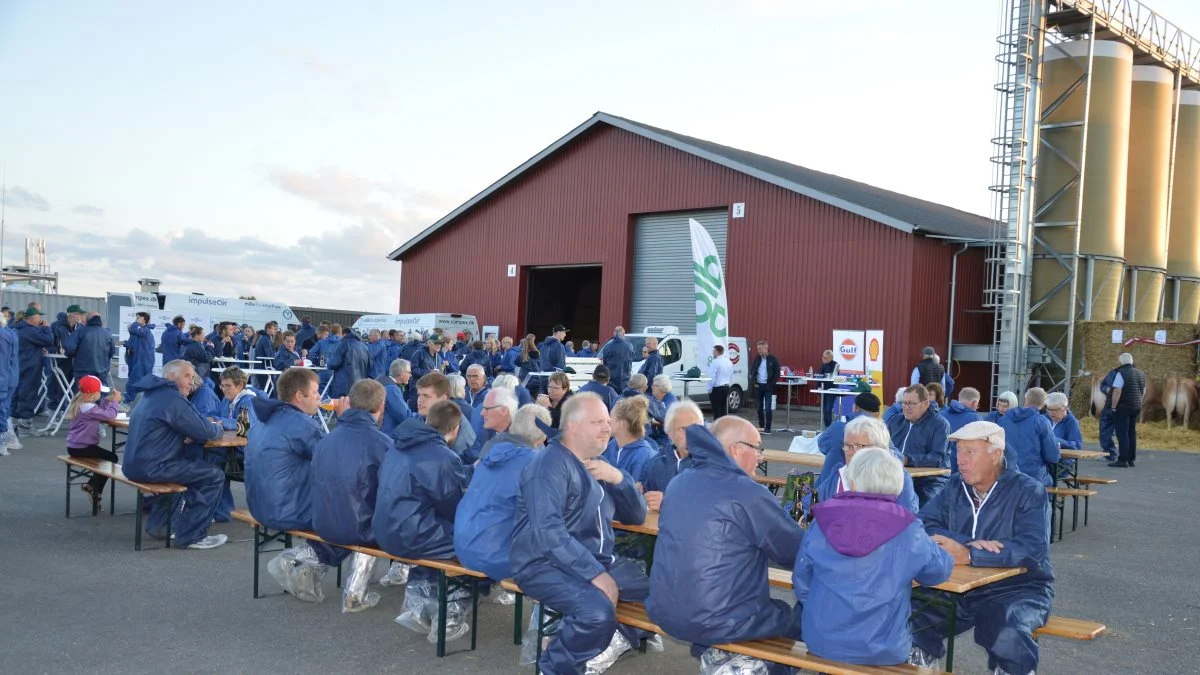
679,356
451,324
212,308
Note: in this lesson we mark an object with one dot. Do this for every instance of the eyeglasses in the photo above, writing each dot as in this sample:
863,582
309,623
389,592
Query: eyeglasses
910,404
757,448
847,447
491,407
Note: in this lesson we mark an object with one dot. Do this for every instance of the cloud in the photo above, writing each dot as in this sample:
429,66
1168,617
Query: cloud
18,197
88,210
342,268
394,206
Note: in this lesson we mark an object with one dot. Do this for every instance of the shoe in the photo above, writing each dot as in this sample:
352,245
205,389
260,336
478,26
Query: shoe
1119,465
920,658
13,443
4,451
766,432
24,425
211,541
1131,463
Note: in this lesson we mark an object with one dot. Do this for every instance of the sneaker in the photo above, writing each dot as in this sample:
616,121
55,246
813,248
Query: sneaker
4,451
766,432
13,443
1119,465
211,541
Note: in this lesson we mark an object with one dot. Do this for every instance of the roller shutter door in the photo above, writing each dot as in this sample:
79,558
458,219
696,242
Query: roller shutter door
663,286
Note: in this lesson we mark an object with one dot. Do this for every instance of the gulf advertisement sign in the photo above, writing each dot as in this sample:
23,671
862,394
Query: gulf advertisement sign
848,351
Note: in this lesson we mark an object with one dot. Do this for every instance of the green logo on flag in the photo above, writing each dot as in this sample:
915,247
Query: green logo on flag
708,286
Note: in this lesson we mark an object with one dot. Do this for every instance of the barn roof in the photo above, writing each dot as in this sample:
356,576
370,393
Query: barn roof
902,212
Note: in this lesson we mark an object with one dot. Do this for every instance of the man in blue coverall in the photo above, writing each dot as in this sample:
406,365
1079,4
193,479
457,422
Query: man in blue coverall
562,547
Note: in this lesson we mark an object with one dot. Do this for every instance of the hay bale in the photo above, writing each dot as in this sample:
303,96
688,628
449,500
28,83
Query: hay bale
1098,354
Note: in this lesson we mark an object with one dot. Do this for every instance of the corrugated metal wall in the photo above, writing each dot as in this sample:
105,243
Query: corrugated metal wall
663,290
53,304
318,315
796,268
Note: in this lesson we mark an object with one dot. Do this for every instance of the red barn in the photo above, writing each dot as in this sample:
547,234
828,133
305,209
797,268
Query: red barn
592,232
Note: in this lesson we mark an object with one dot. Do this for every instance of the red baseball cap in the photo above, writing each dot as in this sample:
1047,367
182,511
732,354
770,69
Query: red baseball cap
90,384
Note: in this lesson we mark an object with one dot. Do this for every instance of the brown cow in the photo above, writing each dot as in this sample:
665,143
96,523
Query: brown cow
1179,397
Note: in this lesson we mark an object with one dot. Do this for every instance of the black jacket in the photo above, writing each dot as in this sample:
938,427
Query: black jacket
930,372
772,370
1132,391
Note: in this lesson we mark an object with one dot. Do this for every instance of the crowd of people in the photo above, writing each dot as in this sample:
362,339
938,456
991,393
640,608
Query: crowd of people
423,417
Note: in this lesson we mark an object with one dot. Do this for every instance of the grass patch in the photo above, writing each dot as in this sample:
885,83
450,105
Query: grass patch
1150,436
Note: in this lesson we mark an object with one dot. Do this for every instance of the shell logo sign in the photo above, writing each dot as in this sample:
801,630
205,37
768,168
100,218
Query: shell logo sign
735,353
848,350
873,349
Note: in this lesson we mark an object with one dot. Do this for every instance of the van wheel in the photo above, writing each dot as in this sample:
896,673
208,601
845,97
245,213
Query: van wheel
734,402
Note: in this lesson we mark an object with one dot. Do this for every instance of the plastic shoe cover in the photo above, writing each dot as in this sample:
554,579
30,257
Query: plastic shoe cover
719,662
209,542
605,659
299,572
1000,671
920,658
529,642
503,597
654,644
420,606
397,575
458,609
11,440
355,597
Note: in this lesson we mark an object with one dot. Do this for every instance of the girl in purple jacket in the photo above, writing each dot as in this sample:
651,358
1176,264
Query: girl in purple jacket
86,413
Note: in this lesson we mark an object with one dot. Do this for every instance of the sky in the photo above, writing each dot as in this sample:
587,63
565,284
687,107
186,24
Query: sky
283,149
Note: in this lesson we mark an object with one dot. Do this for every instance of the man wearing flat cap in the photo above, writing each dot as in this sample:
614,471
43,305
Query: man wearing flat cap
990,515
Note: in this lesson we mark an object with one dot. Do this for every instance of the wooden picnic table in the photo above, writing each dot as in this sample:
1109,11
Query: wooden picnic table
1067,471
818,461
964,577
1082,454
650,526
228,439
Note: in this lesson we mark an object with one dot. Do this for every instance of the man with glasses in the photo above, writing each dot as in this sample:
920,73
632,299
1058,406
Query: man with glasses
921,434
717,530
861,432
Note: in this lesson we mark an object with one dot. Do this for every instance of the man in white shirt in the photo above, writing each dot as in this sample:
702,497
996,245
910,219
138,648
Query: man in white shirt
721,372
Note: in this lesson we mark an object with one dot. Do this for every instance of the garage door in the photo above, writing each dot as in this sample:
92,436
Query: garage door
664,291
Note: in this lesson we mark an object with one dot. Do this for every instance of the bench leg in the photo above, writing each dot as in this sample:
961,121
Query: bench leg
518,614
541,632
68,490
112,497
170,514
474,610
339,575
950,620
258,542
1086,507
1074,513
137,521
441,622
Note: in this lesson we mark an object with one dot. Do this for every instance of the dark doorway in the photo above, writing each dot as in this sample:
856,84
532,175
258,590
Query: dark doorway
566,295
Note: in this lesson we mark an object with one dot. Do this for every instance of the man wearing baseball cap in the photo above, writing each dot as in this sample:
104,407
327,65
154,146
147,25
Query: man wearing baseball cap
34,337
990,515
554,354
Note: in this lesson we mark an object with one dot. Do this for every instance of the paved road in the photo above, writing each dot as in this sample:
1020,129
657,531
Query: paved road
77,598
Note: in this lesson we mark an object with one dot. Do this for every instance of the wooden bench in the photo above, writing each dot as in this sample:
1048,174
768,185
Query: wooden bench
81,469
776,650
450,573
1071,629
1092,480
1059,495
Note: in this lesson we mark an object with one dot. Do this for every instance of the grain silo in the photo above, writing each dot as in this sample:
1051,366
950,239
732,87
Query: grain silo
1183,251
1148,186
1101,212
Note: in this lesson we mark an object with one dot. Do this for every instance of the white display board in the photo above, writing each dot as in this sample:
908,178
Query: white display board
849,348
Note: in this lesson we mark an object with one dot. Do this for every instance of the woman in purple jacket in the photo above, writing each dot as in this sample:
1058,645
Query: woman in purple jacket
86,413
